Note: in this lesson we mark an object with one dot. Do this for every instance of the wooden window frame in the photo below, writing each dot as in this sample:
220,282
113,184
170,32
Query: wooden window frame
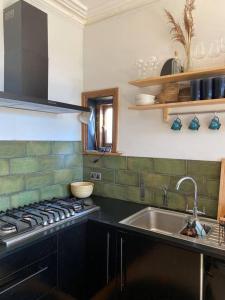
114,92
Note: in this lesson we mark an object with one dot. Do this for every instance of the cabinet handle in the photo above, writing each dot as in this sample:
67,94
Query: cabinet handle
23,280
121,265
107,257
201,276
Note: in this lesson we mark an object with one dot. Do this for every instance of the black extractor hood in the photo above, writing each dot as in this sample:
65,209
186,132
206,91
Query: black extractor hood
26,62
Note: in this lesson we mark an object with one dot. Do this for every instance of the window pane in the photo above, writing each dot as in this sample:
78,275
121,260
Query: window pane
108,125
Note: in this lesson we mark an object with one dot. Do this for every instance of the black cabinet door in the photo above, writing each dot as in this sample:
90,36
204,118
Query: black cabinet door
151,270
214,279
32,282
101,258
72,261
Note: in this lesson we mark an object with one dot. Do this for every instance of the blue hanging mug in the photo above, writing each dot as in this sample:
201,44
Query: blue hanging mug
215,123
177,125
194,124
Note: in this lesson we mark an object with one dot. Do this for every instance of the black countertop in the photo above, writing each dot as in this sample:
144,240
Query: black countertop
111,212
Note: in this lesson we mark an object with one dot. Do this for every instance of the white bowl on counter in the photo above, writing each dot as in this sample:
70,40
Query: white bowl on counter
82,189
144,99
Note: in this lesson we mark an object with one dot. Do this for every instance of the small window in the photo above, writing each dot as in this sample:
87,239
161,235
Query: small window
100,134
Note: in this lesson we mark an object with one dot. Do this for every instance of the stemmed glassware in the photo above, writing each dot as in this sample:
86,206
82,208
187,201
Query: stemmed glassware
147,68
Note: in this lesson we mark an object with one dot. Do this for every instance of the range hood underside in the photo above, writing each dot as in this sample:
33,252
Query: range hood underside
34,104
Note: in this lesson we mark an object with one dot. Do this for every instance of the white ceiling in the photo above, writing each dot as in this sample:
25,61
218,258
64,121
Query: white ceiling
95,3
86,11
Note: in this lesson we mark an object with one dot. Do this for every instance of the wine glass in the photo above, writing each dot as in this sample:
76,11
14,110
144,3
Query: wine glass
222,45
214,50
199,51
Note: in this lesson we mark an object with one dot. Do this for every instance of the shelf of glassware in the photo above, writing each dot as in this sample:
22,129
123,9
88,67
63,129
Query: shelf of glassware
179,77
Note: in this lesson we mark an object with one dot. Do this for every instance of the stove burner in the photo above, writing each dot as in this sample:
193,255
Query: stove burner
8,227
22,222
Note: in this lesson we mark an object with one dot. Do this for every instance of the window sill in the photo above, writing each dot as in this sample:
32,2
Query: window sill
102,153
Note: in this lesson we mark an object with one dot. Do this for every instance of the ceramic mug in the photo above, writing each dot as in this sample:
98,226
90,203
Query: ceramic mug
215,123
177,125
194,124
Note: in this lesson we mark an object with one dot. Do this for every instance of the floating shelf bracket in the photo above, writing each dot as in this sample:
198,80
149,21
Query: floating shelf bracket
166,115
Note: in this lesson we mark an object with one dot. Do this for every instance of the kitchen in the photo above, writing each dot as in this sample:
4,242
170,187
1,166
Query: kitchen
153,227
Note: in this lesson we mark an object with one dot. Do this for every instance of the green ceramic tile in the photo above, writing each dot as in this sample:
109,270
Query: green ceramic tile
170,166
88,161
114,162
77,174
134,195
62,148
73,160
11,184
4,167
52,191
78,148
98,189
108,162
24,198
177,201
204,168
212,187
187,186
108,175
38,180
53,162
12,149
156,180
24,165
5,203
206,203
127,177
115,191
63,176
66,192
38,148
140,164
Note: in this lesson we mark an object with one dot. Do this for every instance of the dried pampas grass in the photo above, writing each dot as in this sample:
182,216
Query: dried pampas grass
184,37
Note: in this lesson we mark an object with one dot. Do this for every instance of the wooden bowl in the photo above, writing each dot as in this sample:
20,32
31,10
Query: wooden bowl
82,189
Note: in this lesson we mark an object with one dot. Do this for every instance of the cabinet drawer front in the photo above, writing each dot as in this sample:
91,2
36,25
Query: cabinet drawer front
32,282
24,257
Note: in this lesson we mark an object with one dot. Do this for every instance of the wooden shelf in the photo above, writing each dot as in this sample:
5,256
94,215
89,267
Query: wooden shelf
167,106
179,77
178,104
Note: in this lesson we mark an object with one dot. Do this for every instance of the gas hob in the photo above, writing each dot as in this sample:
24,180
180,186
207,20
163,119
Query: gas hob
45,216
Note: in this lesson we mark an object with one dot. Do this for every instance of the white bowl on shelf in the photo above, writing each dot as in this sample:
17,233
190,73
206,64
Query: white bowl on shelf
82,189
144,99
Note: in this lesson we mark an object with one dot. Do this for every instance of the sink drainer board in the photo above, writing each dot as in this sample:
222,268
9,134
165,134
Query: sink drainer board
173,223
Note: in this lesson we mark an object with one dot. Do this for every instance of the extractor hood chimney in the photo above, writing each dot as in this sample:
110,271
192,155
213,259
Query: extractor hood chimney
26,61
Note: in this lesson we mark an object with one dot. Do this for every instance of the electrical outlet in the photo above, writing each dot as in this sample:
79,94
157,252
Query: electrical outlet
96,176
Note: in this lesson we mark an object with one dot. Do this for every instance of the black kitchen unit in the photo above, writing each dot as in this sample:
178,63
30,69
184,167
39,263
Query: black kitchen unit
94,257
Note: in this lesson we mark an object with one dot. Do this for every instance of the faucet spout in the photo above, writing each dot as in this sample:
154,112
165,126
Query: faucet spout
195,209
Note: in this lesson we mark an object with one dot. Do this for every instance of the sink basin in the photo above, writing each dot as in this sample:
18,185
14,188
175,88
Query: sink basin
163,221
157,220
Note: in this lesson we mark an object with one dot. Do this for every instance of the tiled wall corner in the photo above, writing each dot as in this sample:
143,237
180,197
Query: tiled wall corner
122,176
31,171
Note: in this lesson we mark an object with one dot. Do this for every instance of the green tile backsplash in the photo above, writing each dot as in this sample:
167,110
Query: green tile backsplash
32,171
122,176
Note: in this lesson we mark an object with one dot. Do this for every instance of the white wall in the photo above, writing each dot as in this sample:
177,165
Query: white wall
65,84
110,50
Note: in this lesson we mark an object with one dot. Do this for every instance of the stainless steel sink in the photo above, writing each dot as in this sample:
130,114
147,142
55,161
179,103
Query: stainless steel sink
165,222
172,223
157,220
